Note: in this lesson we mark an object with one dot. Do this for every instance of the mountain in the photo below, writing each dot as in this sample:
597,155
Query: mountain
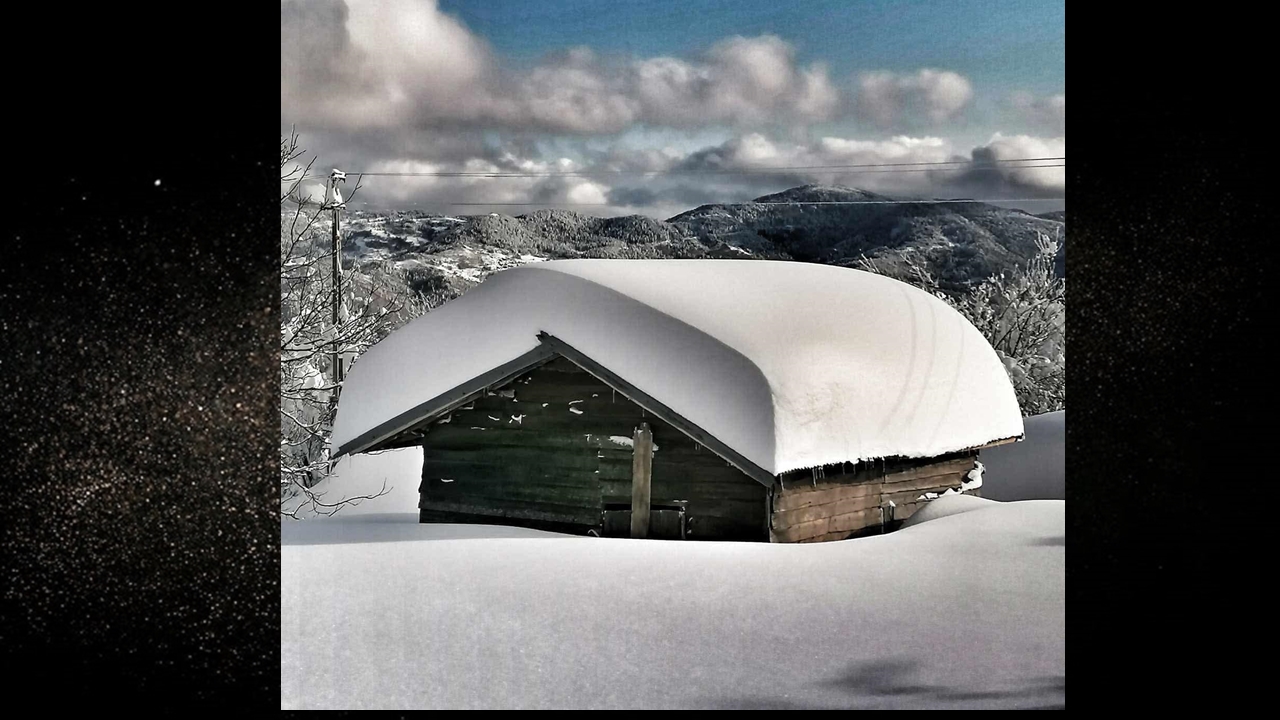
959,242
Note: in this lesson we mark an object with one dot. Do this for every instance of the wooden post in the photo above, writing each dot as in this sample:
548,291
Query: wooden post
641,472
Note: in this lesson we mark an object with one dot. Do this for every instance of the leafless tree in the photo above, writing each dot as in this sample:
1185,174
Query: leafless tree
371,305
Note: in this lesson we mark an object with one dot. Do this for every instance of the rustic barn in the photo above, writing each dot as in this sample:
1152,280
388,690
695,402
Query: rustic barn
684,399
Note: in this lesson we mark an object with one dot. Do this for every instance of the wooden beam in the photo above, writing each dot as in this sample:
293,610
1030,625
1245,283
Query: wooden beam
641,478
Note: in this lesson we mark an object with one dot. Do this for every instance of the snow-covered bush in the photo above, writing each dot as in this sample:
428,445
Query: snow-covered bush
1023,315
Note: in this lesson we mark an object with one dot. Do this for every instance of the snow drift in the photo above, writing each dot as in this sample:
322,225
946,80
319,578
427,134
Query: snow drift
965,611
793,365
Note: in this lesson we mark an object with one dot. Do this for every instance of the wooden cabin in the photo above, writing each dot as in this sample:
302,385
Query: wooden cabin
644,442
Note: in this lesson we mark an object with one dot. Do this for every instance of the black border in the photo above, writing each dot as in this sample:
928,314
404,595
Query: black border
1169,315
139,328
1169,310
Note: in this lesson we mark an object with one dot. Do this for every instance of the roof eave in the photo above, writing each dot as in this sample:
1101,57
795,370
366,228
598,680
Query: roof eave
548,347
445,402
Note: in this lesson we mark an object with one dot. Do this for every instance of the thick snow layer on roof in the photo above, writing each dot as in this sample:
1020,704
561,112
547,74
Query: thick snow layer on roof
793,365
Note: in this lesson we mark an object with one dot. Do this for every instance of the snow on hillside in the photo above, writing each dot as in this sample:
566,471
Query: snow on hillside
961,611
1034,469
958,243
476,264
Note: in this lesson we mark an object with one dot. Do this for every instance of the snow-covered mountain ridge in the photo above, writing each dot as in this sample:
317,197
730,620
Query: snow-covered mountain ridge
960,243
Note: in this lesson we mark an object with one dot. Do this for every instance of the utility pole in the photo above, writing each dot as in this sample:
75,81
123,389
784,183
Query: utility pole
334,200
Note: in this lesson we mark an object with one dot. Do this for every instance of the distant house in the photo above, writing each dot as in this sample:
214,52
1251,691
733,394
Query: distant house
695,399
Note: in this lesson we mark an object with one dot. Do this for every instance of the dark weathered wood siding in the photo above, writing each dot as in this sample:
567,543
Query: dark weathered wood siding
836,504
553,447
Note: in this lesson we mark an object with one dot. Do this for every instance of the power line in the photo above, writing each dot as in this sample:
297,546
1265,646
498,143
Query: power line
833,169
749,202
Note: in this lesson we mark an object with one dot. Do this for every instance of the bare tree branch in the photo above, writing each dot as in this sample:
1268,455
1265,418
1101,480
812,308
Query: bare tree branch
374,301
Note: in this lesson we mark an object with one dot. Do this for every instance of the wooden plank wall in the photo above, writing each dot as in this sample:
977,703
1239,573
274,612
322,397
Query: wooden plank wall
552,447
808,507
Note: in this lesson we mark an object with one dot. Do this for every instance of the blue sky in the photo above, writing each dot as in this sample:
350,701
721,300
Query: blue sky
642,85
1002,44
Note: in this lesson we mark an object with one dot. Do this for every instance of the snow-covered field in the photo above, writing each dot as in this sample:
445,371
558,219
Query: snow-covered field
963,608
960,611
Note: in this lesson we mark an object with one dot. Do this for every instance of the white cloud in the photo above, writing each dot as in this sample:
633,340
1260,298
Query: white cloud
589,193
400,86
756,151
700,177
376,63
894,99
924,149
797,163
571,95
404,63
433,192
1045,179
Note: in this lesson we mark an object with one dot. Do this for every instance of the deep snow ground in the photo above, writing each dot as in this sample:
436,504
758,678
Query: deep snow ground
964,608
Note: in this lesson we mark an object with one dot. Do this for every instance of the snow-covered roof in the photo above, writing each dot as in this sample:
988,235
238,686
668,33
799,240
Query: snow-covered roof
792,365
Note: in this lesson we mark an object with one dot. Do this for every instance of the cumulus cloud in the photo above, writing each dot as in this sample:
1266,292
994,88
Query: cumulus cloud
664,182
399,86
1047,113
986,176
770,161
376,63
473,193
819,161
404,63
750,165
895,99
740,80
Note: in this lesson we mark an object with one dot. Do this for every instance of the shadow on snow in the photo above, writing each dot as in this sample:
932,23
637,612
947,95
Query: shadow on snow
899,682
